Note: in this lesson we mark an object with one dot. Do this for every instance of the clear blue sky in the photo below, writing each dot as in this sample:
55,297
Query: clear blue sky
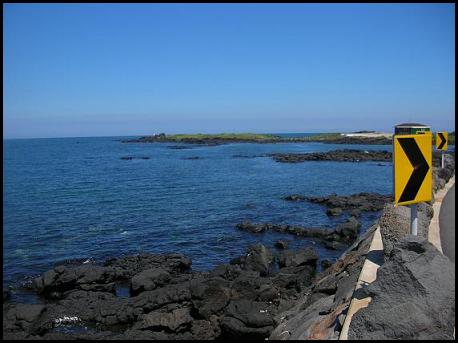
133,69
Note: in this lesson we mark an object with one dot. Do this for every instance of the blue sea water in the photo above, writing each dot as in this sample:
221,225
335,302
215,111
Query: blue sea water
72,198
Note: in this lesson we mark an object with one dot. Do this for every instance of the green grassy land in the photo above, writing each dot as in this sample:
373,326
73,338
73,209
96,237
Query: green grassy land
256,137
223,136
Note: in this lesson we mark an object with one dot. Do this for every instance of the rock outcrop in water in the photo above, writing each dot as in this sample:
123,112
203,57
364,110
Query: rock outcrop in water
344,232
128,158
345,155
354,204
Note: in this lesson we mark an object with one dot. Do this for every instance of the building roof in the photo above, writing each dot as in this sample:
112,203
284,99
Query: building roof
412,124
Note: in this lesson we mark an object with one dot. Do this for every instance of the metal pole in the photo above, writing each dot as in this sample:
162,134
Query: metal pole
413,219
443,160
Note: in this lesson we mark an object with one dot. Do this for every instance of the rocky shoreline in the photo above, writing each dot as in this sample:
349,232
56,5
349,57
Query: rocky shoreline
408,285
166,299
261,294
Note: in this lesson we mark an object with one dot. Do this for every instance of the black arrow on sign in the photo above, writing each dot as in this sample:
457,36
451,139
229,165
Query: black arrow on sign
443,140
420,168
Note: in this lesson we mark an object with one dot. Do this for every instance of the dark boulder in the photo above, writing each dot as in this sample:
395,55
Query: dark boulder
246,225
176,320
128,266
247,319
334,245
86,277
258,259
250,286
21,316
349,229
333,212
209,296
413,296
281,244
298,258
151,300
148,280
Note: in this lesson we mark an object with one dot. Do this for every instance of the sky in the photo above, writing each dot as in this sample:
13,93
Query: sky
78,70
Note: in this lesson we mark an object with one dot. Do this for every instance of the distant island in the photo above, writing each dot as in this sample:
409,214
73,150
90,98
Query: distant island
224,138
358,137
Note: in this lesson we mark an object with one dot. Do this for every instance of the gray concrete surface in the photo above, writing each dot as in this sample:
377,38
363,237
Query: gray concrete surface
447,224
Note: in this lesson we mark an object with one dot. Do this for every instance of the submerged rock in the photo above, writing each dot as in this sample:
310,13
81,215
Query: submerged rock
192,158
246,225
295,197
135,157
332,212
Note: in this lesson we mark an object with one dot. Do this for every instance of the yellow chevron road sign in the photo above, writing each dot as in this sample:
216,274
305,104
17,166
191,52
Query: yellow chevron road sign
442,141
412,164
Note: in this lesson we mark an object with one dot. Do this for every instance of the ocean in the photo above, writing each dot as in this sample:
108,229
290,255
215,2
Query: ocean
69,198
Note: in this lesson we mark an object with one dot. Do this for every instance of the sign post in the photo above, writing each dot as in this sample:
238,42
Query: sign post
442,144
412,168
413,219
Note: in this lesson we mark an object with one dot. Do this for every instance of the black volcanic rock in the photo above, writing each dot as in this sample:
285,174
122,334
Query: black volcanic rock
168,300
332,212
298,258
295,197
258,259
135,157
179,147
281,244
192,158
86,277
346,155
247,319
349,229
247,156
250,227
343,233
148,280
413,296
359,202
